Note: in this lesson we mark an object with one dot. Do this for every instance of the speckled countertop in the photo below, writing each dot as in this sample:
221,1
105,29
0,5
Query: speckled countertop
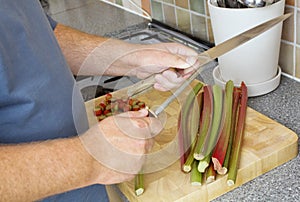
282,105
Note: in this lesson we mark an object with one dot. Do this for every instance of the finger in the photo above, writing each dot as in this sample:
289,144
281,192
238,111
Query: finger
168,80
166,59
177,61
134,114
159,87
172,76
163,82
155,125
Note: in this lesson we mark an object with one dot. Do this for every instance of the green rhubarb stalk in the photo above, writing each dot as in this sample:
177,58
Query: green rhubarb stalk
205,121
194,126
187,166
216,121
139,184
236,97
219,152
188,115
210,173
195,116
180,140
196,176
237,141
184,129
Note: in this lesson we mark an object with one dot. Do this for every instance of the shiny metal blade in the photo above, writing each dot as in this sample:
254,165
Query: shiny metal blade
242,38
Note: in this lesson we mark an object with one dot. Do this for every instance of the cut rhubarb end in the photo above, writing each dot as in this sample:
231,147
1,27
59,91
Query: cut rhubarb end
222,171
139,191
218,167
198,156
187,168
230,182
210,179
202,166
196,183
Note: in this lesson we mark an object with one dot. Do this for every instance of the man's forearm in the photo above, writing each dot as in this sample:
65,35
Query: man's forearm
76,45
89,54
36,170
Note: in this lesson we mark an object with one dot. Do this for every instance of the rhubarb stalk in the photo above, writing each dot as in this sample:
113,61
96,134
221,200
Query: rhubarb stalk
180,140
210,173
139,184
237,141
219,153
211,139
236,98
187,166
194,126
205,121
184,129
196,176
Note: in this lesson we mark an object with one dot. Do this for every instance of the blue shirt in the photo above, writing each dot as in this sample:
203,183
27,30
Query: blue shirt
38,96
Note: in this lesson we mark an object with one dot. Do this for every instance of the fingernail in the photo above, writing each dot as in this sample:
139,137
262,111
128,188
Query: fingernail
191,60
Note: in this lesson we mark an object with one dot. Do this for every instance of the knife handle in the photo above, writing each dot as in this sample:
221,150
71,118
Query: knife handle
141,86
144,84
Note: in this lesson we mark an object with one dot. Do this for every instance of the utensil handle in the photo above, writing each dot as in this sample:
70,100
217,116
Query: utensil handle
141,86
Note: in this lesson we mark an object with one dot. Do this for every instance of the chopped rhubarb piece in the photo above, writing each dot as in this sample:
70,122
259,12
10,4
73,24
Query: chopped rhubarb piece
135,108
98,112
108,96
106,112
142,104
127,108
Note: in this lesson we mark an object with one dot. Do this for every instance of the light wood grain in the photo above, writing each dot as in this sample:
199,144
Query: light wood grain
266,145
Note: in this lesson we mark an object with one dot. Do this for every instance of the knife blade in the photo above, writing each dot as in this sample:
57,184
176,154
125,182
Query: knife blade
211,54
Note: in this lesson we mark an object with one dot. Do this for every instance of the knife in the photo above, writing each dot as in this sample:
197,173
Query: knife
211,54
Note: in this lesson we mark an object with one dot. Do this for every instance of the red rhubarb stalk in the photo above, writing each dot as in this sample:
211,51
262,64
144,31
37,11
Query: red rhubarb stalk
210,173
212,138
219,152
237,141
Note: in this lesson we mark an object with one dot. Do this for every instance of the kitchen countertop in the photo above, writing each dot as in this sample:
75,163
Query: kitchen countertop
282,105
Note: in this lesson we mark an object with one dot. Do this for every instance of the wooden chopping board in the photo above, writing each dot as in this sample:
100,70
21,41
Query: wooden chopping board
266,145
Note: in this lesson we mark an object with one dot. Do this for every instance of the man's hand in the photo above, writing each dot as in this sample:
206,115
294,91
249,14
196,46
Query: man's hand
121,58
119,144
95,55
171,62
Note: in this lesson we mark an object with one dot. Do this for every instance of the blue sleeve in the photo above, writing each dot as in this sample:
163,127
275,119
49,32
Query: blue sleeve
52,22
